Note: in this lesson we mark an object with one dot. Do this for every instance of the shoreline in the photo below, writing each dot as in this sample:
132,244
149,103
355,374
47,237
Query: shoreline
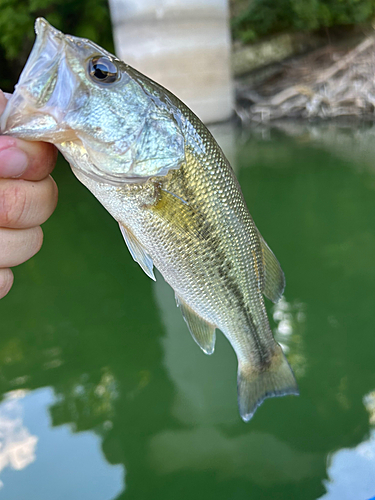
333,81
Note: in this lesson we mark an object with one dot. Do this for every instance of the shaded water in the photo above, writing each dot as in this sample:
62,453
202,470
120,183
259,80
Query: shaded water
105,395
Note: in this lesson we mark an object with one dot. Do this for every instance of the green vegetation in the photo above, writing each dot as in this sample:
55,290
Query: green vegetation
85,18
257,18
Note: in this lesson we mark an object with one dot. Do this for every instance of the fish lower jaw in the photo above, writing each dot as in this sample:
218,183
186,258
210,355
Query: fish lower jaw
22,119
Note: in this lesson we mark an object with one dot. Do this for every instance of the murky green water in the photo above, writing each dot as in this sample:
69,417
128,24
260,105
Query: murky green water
105,395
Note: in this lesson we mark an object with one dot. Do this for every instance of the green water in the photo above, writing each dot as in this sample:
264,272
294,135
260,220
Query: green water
105,395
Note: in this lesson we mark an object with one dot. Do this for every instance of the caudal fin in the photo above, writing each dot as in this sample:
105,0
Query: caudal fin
255,386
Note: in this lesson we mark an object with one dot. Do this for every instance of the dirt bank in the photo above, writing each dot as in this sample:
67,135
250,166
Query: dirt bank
334,80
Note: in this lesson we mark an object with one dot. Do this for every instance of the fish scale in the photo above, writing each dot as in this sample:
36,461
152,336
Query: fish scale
159,172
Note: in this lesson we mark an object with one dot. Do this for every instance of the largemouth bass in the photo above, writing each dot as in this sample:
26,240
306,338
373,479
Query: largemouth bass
159,172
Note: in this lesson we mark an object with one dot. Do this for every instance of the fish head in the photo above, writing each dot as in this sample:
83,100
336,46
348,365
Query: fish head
104,116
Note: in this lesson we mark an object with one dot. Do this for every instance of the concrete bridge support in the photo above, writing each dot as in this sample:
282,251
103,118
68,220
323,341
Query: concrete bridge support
182,44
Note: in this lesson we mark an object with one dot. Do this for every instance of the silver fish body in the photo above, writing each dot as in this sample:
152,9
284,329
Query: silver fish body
156,168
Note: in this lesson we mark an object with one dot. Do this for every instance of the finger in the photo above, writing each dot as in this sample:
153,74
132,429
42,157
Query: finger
28,160
19,245
25,159
6,281
25,204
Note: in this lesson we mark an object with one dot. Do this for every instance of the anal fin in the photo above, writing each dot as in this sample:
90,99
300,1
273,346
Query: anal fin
202,332
138,252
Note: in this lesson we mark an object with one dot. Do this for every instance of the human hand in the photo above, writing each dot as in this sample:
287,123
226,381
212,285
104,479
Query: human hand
28,196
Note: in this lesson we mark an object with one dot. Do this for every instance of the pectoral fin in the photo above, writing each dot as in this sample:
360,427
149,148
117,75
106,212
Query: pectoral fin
178,213
202,332
138,252
274,280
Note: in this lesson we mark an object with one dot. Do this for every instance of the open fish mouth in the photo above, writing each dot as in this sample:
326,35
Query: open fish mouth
36,107
94,107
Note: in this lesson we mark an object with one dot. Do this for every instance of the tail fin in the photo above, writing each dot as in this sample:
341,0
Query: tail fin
255,386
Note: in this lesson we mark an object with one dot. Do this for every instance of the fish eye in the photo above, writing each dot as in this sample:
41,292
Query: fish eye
102,70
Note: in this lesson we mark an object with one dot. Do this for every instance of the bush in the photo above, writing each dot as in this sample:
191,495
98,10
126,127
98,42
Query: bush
264,17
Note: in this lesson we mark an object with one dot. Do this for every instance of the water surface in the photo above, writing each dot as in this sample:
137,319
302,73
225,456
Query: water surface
105,395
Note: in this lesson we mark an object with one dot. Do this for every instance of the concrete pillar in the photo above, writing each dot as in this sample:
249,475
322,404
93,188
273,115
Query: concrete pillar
182,44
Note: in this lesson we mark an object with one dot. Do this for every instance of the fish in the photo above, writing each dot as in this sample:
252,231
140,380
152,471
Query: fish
159,172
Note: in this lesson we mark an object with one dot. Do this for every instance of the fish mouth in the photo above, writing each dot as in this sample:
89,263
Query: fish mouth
34,110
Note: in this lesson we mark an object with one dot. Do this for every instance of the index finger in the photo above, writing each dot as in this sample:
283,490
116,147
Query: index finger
25,159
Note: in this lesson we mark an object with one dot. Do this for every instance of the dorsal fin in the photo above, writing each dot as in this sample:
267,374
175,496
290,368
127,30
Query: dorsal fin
138,252
202,332
274,279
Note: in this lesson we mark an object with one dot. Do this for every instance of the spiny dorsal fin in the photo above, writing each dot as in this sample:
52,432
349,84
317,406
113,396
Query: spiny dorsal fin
202,332
274,280
137,251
